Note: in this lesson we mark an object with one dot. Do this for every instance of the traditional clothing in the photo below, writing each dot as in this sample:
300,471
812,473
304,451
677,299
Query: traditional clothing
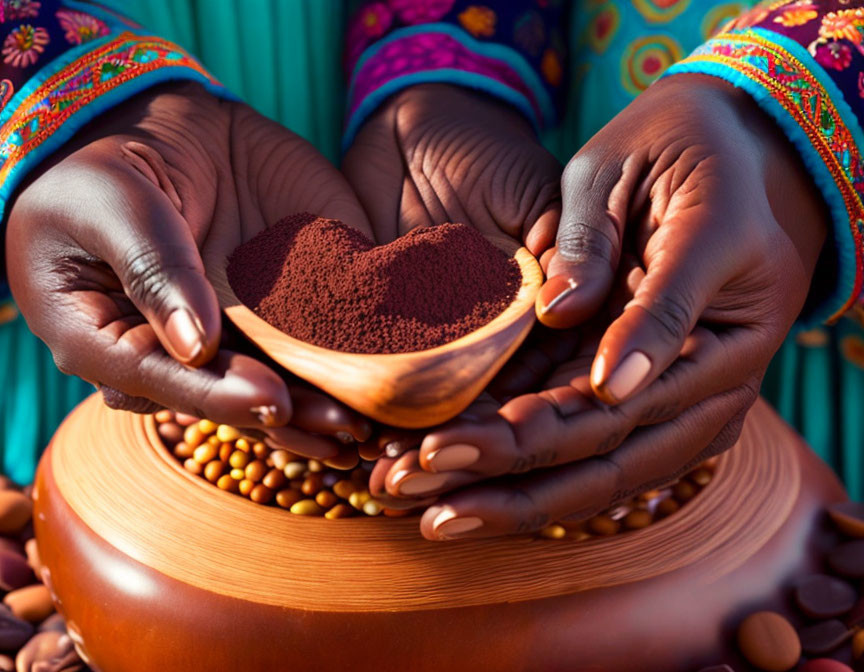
568,66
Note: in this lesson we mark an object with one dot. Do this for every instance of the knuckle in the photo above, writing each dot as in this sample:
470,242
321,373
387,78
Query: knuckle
121,401
525,511
579,241
673,312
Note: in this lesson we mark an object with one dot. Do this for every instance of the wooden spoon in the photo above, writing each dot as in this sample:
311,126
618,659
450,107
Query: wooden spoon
411,389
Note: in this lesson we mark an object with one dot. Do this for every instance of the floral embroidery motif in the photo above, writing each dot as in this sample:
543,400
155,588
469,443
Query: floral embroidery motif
796,16
861,84
798,90
478,20
79,84
421,11
835,55
843,25
23,45
81,27
14,10
7,90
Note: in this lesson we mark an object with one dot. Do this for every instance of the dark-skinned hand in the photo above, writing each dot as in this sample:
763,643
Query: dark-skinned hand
724,228
107,248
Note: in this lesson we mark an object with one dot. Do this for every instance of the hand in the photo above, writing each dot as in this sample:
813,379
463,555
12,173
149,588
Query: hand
726,229
437,153
107,249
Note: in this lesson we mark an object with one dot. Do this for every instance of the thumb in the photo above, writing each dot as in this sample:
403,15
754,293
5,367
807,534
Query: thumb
588,246
648,336
148,243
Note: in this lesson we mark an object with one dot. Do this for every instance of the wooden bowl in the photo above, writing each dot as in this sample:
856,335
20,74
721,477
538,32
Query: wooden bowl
413,389
155,569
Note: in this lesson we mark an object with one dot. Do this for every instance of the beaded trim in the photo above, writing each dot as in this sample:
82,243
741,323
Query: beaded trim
774,69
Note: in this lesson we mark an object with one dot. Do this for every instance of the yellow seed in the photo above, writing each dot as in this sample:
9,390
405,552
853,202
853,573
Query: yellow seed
214,441
339,511
260,450
193,436
344,488
288,498
553,532
701,477
603,525
227,433
280,458
372,508
255,470
243,444
227,483
182,450
306,507
326,499
238,474
246,486
164,415
294,470
315,466
239,459
204,454
207,426
580,535
638,519
358,498
214,470
193,466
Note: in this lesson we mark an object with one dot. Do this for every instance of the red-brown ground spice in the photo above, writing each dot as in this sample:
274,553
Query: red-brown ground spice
325,283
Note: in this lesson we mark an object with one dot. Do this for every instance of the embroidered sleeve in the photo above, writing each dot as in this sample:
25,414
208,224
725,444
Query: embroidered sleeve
512,49
64,63
803,63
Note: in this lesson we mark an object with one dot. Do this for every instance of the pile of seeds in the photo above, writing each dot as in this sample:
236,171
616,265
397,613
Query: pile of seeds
830,608
250,468
33,638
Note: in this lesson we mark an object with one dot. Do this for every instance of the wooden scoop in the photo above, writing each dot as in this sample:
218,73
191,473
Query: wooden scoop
410,389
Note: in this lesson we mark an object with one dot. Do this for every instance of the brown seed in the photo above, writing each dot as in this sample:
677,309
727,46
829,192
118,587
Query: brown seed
603,526
858,645
824,637
288,498
185,419
193,466
225,451
205,453
14,632
848,517
227,483
15,572
246,486
31,603
701,476
683,491
31,548
820,596
847,559
183,451
667,507
165,415
326,499
311,485
261,494
344,489
340,511
213,470
16,509
256,470
274,479
553,532
170,432
769,642
638,519
194,436
260,450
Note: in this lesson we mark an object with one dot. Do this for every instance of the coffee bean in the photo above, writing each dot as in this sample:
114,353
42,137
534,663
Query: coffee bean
49,652
769,642
821,638
824,665
822,596
14,571
848,559
15,511
848,518
32,603
14,632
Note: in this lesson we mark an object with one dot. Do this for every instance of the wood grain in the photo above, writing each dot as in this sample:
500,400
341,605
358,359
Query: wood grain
416,389
112,471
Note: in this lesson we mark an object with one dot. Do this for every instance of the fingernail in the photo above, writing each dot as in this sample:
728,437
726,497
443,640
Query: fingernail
266,415
185,335
559,288
628,376
447,525
413,483
452,458
344,437
393,449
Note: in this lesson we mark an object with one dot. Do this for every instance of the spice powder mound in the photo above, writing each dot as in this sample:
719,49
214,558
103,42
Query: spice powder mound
325,283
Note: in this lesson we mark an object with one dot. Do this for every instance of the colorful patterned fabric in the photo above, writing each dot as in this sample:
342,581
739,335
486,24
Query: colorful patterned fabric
802,61
512,50
61,67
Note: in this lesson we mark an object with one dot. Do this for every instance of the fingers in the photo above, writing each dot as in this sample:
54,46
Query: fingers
653,455
595,192
318,413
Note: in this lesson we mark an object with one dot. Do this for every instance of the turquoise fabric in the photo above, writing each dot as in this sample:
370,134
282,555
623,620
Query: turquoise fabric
284,58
